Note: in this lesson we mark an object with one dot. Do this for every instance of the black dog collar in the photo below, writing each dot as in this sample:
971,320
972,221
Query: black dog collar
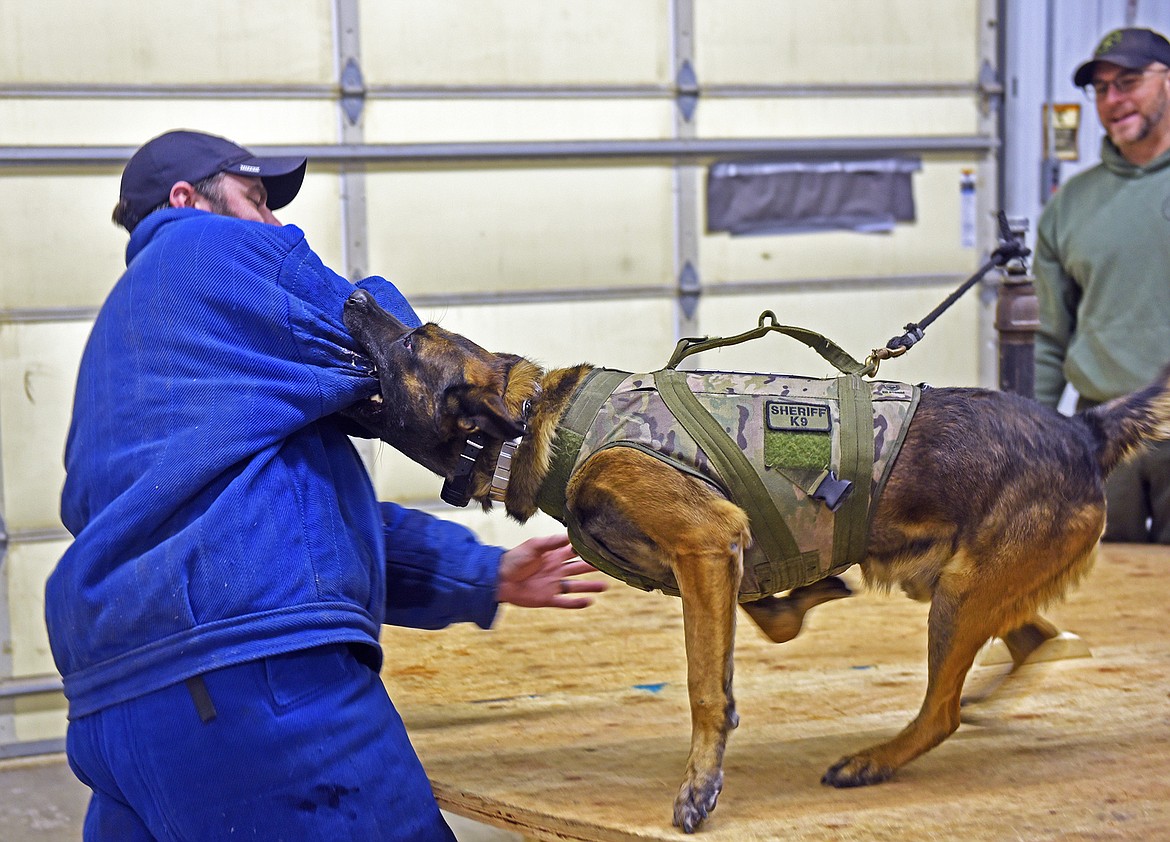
457,489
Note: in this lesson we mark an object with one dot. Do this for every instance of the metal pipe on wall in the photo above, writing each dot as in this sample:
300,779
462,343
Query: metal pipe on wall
566,150
568,294
440,92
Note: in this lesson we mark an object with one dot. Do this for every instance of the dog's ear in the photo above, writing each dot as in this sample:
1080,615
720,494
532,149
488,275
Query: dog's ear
486,409
488,413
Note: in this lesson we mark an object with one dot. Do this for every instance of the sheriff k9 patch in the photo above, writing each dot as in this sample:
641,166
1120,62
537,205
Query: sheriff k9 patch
798,436
799,417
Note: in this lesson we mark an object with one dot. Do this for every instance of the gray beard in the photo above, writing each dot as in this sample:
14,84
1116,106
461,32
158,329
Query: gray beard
1148,122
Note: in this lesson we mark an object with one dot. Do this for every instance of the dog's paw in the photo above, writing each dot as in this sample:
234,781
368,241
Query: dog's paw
858,770
696,799
832,587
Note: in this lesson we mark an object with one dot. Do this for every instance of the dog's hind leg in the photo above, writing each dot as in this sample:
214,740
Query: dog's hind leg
990,589
962,618
781,617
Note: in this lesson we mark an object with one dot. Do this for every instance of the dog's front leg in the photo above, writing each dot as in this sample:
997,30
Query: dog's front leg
708,576
657,518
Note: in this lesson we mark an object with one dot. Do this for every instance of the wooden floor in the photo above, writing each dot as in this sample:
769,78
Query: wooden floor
574,725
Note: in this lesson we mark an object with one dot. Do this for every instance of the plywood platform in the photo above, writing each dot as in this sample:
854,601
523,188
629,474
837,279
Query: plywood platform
575,725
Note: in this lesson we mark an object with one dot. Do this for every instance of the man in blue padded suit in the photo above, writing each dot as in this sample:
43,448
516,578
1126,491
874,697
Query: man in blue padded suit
216,618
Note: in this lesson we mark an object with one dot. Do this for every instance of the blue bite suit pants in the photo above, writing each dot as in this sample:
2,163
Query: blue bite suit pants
302,746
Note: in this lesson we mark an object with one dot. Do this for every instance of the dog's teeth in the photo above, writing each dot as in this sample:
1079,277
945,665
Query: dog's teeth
376,398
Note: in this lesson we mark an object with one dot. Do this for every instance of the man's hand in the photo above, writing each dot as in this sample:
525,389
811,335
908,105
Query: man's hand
537,574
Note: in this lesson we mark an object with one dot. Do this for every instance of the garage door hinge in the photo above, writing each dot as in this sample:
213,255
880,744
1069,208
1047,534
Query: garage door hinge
353,91
689,290
990,89
687,87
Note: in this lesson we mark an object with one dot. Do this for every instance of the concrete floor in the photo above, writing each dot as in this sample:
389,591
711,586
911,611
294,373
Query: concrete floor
41,800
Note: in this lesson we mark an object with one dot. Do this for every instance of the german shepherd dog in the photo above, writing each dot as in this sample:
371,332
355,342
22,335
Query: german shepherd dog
993,508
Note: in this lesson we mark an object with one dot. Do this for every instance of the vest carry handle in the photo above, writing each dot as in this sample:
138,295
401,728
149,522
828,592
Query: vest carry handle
827,348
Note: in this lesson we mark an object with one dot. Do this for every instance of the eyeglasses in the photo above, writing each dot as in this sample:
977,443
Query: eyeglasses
1123,83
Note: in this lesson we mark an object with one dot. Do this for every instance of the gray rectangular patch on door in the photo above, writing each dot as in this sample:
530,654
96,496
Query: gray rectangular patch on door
789,197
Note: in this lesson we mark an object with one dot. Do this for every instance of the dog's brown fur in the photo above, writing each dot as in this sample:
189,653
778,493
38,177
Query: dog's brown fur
993,508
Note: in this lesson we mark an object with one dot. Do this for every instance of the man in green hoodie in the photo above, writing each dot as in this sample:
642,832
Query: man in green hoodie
1103,266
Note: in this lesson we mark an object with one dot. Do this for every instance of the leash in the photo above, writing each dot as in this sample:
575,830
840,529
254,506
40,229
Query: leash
457,492
1011,247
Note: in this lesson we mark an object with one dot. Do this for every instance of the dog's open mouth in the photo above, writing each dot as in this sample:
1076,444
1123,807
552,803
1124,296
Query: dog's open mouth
373,404
367,410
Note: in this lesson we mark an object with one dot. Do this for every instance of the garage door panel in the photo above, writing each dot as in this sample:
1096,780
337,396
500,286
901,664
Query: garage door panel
501,42
129,122
837,41
816,117
511,229
38,372
141,41
503,120
27,567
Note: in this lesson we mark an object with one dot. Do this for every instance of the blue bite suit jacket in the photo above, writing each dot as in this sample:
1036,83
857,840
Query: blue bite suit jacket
220,512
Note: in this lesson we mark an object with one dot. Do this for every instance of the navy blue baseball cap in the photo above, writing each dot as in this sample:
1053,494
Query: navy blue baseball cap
1133,49
192,156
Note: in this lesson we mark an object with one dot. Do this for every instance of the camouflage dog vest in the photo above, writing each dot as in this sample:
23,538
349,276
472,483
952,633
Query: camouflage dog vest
805,458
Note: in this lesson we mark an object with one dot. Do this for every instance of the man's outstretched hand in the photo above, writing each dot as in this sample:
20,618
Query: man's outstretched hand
539,573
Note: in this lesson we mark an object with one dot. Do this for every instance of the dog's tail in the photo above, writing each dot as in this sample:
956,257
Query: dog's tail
1126,424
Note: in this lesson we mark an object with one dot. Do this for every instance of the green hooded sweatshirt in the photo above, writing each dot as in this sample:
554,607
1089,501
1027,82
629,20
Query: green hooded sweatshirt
1103,280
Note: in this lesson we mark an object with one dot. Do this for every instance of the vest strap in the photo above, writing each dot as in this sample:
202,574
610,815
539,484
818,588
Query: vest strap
743,483
851,522
600,557
584,405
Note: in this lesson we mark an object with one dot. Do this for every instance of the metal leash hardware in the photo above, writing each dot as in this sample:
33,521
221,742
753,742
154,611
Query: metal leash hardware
1011,247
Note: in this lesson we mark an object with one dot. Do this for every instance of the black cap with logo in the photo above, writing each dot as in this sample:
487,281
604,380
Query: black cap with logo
192,156
1133,49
